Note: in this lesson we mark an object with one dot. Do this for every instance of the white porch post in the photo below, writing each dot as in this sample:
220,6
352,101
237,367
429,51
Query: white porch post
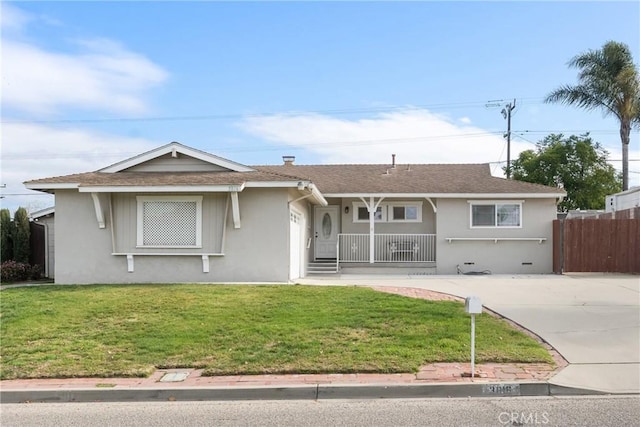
372,207
372,222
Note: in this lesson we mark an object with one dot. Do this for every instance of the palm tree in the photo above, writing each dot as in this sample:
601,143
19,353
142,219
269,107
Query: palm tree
608,80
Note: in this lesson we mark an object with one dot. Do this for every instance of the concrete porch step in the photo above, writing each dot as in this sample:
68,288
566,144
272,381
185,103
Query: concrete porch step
322,267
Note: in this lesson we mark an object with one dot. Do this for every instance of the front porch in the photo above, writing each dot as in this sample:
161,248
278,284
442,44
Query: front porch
386,248
385,253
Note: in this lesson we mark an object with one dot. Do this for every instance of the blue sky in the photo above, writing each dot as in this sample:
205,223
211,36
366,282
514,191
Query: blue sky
86,84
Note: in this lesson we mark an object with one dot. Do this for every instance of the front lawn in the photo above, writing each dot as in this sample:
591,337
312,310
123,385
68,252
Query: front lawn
129,330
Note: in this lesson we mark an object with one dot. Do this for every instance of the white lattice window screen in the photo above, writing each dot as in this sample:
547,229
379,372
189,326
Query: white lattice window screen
169,223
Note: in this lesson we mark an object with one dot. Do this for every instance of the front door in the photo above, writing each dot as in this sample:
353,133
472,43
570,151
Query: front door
326,231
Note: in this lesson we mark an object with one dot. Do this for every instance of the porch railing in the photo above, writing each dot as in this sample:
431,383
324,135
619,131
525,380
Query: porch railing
387,248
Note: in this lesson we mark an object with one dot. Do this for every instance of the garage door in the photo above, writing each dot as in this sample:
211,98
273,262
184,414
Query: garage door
295,244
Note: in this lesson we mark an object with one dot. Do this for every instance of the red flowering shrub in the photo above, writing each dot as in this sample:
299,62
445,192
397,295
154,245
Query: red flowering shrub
11,271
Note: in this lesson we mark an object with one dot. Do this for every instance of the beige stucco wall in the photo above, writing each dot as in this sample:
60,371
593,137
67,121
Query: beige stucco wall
499,258
83,251
254,253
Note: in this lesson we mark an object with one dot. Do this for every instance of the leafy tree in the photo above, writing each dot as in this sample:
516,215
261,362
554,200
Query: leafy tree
575,163
6,243
608,80
21,234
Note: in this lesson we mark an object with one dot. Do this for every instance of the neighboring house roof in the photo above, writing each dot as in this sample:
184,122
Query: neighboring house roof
452,180
42,212
583,213
632,190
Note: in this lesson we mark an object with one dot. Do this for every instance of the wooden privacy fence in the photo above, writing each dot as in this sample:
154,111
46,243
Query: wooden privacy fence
609,245
37,245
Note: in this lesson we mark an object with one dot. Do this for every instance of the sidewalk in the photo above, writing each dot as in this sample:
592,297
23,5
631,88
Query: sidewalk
435,380
181,378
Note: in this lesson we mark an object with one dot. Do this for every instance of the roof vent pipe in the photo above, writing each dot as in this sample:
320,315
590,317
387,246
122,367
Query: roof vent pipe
288,160
393,161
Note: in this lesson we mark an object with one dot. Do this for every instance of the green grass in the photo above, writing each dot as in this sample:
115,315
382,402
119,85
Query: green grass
130,330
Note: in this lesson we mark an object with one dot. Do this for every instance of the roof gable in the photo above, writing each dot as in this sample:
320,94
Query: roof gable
175,157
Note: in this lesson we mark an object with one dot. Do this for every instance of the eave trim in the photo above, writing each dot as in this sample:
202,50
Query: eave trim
162,189
450,195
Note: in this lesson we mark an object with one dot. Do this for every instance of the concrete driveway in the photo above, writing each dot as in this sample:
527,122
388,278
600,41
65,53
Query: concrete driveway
593,320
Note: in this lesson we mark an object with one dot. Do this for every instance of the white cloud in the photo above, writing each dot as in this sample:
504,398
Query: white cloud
465,120
415,136
104,77
97,74
37,151
12,18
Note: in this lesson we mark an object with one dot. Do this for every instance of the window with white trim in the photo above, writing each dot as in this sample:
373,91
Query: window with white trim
361,214
389,212
405,212
495,214
169,221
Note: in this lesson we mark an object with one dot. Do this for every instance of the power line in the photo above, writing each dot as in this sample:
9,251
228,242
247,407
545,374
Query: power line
25,194
30,156
337,111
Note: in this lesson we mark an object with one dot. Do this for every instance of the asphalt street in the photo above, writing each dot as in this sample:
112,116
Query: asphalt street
565,411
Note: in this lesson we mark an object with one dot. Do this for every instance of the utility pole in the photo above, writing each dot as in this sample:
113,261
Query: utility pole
506,113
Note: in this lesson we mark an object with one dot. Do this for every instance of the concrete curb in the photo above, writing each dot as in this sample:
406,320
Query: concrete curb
302,392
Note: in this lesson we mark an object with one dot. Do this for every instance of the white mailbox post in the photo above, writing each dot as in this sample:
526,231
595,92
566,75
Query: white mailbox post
473,306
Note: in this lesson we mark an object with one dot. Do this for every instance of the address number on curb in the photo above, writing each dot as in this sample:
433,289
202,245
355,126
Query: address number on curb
501,389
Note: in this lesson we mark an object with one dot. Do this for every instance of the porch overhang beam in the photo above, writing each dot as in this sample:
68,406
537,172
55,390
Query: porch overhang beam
371,205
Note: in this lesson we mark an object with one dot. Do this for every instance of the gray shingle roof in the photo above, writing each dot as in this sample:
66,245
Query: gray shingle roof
419,178
161,178
330,179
